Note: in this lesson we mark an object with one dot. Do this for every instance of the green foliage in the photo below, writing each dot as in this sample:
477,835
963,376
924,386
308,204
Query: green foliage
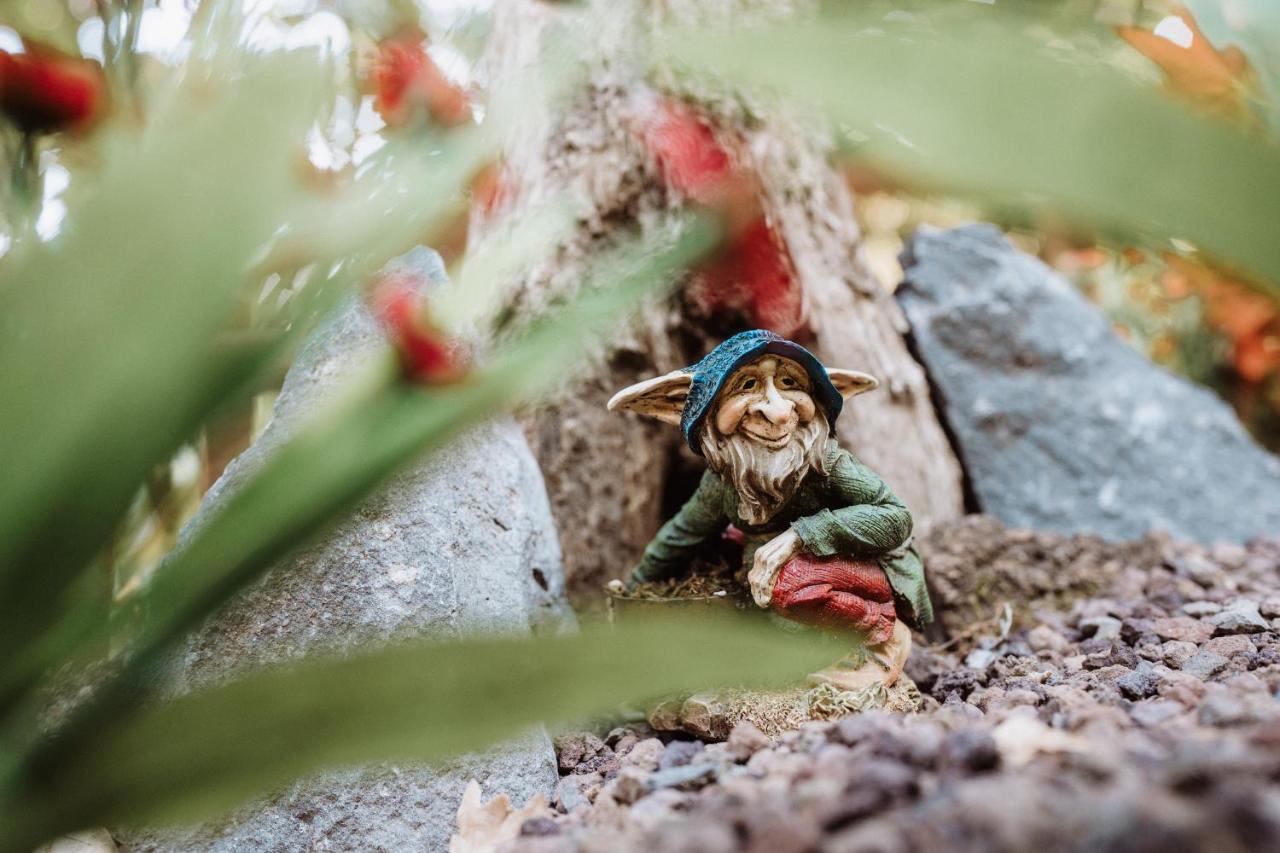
206,751
114,349
979,108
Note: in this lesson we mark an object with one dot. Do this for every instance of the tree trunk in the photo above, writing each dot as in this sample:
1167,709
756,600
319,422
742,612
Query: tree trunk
611,477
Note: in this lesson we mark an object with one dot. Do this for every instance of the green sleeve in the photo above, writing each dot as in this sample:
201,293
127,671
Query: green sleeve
868,519
701,519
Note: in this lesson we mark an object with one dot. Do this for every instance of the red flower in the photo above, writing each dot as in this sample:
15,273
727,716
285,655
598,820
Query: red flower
688,154
752,276
405,79
425,353
46,91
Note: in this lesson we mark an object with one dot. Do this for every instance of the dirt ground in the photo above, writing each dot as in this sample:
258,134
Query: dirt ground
1087,696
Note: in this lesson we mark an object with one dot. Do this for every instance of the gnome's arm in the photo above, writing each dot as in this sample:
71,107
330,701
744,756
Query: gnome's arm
867,521
699,521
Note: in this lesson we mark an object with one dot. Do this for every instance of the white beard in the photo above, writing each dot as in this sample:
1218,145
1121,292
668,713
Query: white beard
766,479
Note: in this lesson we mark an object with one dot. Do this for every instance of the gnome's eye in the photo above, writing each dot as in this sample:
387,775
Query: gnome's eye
788,382
747,385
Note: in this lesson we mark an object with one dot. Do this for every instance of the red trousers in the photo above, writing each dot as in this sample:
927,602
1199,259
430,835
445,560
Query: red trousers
836,593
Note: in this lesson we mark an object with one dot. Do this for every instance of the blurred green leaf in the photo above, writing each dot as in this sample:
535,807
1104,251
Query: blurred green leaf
372,428
984,111
107,333
45,21
379,427
201,754
85,316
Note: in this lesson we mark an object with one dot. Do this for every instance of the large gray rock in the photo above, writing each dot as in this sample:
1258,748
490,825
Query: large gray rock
1060,424
459,542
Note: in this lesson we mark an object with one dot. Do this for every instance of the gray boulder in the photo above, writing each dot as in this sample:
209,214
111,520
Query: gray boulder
1062,426
461,541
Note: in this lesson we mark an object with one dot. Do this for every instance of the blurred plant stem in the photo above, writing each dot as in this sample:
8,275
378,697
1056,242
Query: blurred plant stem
121,26
25,182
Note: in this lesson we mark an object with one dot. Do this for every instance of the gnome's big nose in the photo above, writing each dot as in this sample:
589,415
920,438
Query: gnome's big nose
775,408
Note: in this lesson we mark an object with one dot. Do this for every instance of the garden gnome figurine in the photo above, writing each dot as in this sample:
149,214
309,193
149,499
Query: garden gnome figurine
825,541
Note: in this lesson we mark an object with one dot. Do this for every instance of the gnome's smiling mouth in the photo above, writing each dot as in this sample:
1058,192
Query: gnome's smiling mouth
772,442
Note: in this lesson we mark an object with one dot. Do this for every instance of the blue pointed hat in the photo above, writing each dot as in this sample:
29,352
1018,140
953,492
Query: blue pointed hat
710,374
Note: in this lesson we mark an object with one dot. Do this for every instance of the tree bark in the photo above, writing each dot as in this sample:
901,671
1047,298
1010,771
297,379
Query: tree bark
610,476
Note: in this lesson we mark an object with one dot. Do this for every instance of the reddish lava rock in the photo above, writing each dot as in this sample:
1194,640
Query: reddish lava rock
44,91
836,592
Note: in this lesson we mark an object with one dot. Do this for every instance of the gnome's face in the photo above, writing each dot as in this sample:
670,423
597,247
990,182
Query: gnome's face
762,424
765,434
766,402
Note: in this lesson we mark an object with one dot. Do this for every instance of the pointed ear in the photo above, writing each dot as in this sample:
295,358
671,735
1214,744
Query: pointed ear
661,397
851,383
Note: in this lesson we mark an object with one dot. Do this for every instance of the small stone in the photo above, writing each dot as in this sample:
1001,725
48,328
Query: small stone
1270,607
657,808
1135,631
1182,687
1239,618
1140,683
1182,628
576,747
960,681
679,753
956,710
1226,708
1154,712
1229,554
1101,628
1197,609
856,728
630,785
980,659
539,827
578,790
746,740
1042,638
1200,569
706,715
1232,644
1178,652
674,777
645,755
665,717
1118,655
1153,652
1204,665
1109,674
970,750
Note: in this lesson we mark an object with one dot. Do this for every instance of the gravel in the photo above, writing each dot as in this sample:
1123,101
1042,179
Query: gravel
1131,702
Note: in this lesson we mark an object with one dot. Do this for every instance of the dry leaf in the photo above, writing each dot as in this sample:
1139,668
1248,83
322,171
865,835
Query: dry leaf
1219,79
482,826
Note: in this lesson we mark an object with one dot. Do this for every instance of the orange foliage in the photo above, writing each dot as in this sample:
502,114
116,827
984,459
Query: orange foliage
1217,79
1248,319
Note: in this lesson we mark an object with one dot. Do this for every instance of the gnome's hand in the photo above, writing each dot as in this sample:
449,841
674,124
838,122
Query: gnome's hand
769,560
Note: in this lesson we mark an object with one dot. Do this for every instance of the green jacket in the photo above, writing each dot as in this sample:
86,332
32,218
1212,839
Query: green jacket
848,511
